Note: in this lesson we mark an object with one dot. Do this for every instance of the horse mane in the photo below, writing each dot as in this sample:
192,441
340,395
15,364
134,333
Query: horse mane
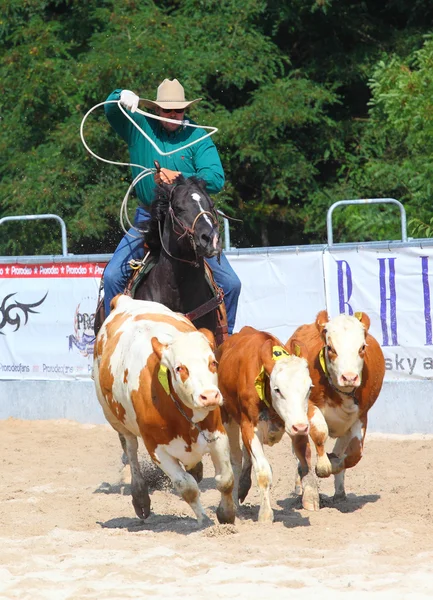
159,207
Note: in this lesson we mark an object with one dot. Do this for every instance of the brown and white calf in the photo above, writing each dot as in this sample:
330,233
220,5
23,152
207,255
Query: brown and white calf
156,378
265,390
347,368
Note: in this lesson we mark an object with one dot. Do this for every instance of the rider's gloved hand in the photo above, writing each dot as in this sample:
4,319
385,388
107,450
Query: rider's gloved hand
129,100
165,176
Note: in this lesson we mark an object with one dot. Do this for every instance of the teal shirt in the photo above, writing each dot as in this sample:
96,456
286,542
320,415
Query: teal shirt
201,159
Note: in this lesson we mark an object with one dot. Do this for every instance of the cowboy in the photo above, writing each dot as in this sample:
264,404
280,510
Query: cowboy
201,159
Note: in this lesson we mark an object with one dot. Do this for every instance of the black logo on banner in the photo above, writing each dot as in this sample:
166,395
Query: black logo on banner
83,337
14,312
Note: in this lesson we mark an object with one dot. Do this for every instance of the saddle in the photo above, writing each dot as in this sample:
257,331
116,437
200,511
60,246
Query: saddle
141,270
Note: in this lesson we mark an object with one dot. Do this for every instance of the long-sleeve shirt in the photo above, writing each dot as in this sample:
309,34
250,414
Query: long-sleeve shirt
201,159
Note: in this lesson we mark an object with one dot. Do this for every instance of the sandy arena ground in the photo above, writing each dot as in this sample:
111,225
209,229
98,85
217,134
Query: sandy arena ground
68,529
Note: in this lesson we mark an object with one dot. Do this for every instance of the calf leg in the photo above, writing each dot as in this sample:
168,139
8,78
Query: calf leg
307,481
183,483
262,470
349,450
245,479
220,454
233,433
139,489
319,434
197,471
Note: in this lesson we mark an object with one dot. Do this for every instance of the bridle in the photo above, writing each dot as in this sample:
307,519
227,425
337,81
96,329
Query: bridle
185,230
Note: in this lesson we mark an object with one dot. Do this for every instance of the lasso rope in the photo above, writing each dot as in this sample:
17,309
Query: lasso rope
146,171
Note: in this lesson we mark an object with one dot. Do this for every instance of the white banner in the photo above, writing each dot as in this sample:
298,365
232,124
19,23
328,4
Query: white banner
47,311
393,288
46,320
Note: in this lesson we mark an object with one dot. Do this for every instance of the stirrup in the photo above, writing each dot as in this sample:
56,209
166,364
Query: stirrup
137,264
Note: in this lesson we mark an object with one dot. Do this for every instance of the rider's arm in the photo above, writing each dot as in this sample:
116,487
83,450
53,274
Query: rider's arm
208,165
116,118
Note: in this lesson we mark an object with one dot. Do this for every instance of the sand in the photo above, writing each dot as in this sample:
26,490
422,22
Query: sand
68,528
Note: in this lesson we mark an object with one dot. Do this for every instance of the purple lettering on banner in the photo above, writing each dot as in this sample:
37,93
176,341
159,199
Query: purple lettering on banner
392,301
427,306
341,300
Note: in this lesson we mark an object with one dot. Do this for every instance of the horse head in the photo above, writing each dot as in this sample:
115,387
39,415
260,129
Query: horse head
187,209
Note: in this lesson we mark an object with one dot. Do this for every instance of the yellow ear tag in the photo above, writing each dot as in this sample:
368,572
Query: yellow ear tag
259,384
278,352
163,379
358,315
297,350
323,361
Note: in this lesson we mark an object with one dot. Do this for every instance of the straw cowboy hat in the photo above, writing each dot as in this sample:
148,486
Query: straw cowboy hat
170,95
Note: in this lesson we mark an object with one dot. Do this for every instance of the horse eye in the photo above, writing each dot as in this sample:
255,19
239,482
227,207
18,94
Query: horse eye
329,348
179,369
277,390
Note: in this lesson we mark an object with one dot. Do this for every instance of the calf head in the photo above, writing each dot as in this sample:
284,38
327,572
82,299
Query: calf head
290,384
344,339
190,361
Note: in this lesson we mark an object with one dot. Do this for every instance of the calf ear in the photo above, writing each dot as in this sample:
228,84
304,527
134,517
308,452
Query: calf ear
266,356
297,348
364,318
210,337
158,348
321,321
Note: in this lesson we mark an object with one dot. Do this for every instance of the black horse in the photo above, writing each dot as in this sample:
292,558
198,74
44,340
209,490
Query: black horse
184,230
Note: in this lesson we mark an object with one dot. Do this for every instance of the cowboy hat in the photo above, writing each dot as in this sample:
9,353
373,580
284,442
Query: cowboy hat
170,95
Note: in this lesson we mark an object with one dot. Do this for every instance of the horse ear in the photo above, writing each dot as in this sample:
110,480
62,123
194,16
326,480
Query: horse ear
210,337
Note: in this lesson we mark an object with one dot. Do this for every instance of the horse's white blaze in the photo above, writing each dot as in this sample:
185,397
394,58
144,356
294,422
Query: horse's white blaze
346,334
195,196
291,377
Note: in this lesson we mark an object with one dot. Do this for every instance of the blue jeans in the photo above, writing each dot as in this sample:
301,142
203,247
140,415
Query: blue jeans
117,271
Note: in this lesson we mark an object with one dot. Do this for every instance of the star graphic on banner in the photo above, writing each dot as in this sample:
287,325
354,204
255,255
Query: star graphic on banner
35,269
90,269
62,269
7,270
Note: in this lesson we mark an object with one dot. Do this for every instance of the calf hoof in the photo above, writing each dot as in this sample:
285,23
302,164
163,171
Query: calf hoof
197,472
323,466
141,507
337,463
244,484
204,521
310,499
225,516
339,497
266,516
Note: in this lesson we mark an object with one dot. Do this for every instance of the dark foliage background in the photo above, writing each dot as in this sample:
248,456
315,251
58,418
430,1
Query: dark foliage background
315,100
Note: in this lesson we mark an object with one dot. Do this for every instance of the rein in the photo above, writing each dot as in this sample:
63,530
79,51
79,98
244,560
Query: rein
189,231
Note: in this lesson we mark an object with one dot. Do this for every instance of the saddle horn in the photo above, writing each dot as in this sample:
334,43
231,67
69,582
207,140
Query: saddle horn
157,166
